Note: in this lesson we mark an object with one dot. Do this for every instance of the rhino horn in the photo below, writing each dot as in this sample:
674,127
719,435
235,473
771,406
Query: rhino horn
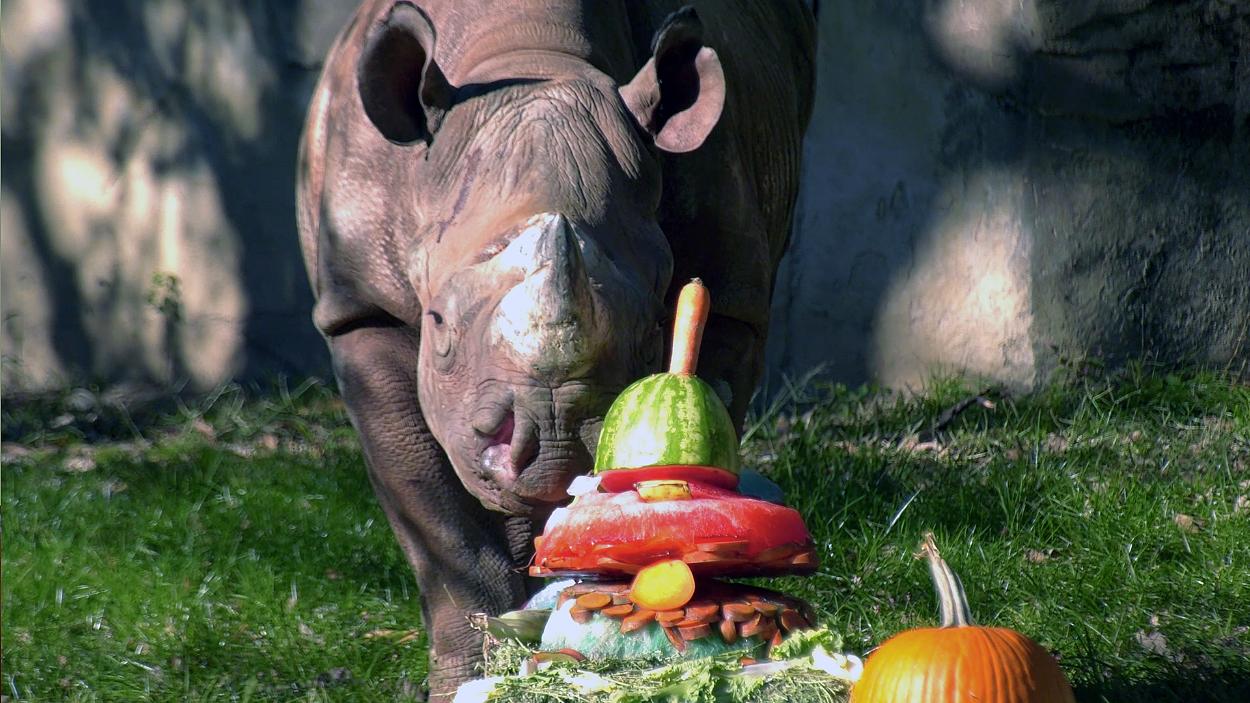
569,294
548,320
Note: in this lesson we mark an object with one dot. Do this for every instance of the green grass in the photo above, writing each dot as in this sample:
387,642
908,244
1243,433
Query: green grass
246,563
1060,513
237,552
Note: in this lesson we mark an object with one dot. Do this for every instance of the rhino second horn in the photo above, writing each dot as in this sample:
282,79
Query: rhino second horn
548,320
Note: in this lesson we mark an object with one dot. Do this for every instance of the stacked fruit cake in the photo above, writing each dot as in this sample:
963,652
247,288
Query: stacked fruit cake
664,517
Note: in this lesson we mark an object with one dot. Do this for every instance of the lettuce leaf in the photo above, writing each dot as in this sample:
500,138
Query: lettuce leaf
801,643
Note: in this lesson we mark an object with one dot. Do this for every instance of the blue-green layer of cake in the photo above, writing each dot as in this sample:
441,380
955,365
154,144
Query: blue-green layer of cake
601,638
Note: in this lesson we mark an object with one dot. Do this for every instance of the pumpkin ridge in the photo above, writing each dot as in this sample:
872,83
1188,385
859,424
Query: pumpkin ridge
1021,655
1000,668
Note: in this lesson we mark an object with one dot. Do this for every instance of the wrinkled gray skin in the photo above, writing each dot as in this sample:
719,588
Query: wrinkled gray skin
497,205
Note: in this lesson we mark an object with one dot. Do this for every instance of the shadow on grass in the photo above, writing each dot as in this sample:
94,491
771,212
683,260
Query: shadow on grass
1212,687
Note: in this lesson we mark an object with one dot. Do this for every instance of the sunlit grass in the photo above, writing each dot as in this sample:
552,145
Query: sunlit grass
234,550
1109,520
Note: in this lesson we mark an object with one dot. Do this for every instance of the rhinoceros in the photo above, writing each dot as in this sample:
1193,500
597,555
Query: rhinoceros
497,204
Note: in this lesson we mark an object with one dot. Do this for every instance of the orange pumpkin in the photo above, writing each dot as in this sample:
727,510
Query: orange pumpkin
959,662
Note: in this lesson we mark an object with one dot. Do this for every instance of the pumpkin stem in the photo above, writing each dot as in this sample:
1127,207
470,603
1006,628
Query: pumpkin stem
950,590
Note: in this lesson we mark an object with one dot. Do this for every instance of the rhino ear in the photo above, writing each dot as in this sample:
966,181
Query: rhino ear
678,95
401,87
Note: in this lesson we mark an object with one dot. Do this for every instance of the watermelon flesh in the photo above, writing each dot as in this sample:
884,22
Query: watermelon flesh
618,480
716,531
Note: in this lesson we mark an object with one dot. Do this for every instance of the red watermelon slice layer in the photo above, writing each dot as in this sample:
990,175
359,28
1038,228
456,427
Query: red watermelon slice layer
716,532
618,480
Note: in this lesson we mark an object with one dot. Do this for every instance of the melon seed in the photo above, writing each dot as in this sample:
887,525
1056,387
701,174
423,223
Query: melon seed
678,644
774,553
737,612
706,619
594,601
803,559
790,619
697,557
767,608
751,627
578,589
768,628
694,632
618,611
724,548
702,612
670,617
610,564
570,656
637,620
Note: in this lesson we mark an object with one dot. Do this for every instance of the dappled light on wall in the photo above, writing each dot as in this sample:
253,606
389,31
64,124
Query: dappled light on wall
149,153
997,186
964,306
125,220
982,38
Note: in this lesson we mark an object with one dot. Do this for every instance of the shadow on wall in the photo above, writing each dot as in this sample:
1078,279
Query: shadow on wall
992,185
149,154
989,185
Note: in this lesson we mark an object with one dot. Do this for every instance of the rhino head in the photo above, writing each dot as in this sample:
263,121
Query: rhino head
535,250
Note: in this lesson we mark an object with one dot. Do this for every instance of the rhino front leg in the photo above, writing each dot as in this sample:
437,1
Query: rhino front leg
458,550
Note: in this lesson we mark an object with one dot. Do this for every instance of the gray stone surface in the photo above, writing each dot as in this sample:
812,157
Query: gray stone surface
990,185
148,189
993,186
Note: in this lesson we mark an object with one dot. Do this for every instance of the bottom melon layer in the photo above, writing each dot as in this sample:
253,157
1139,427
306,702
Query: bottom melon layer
601,638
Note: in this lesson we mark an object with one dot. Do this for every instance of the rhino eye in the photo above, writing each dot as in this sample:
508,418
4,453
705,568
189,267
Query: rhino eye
438,334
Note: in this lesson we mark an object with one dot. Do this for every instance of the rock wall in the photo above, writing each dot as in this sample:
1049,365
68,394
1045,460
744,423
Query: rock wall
148,189
990,186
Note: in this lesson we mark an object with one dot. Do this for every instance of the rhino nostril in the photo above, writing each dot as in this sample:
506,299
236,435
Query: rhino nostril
496,453
503,434
488,420
524,446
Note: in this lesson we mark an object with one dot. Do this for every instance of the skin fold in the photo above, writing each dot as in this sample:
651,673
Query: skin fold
498,203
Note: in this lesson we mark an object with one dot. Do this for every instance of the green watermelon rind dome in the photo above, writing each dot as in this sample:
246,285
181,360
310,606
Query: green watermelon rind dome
667,419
